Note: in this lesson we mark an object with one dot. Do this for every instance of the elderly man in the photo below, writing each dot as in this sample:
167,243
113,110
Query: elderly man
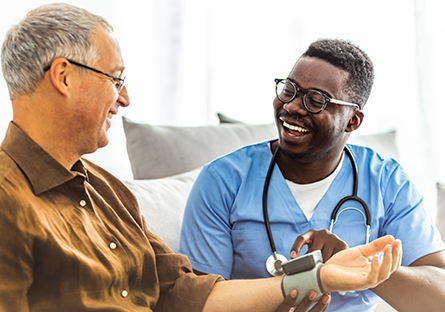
309,172
72,234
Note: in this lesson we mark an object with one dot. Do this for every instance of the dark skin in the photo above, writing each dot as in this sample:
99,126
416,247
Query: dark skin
287,305
313,151
329,244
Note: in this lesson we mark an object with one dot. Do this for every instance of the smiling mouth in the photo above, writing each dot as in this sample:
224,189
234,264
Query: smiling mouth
294,127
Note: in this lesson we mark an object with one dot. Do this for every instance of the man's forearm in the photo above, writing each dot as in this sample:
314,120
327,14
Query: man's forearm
414,288
349,269
245,295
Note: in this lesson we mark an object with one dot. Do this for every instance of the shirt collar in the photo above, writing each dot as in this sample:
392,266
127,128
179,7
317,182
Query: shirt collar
41,169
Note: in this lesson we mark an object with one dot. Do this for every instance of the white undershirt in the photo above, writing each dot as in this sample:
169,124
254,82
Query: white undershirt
309,195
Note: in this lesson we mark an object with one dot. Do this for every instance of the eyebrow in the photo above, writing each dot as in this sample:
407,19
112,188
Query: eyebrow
319,90
119,68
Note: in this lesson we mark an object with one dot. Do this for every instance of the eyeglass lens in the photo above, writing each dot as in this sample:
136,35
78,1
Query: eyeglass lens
119,83
313,100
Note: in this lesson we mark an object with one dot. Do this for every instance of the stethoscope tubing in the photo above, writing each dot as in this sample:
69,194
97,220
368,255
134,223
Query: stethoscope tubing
334,212
265,209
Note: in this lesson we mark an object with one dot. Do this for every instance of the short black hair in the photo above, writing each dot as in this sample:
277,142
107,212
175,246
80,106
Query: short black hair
351,58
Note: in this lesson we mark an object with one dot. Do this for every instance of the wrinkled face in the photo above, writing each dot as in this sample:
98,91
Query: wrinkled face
308,136
97,99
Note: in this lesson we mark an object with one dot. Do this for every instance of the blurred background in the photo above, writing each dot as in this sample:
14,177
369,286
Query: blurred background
189,59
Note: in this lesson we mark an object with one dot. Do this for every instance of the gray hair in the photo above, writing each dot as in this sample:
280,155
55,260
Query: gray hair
45,34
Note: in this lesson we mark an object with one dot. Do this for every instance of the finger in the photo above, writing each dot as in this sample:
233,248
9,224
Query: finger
322,304
327,253
375,246
307,301
386,265
327,243
288,302
397,254
374,274
300,241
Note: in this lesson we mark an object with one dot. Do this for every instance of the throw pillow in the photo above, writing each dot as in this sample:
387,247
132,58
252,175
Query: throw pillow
162,203
162,151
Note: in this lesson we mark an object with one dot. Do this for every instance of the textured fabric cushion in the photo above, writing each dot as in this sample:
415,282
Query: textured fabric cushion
162,203
161,151
440,218
224,119
383,143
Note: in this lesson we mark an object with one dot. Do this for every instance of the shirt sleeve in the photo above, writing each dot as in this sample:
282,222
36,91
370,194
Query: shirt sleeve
206,230
180,288
408,219
16,267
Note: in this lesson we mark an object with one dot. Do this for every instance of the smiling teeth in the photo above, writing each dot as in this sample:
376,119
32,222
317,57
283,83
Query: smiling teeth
295,128
110,115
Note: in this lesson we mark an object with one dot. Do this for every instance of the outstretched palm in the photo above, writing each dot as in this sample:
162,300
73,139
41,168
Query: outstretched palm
350,269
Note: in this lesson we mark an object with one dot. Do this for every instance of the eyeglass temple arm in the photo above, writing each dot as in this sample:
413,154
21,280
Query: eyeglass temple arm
343,103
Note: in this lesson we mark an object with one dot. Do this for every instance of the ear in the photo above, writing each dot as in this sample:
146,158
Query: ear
60,75
355,121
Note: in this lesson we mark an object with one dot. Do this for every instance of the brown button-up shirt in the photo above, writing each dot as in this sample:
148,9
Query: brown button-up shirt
75,241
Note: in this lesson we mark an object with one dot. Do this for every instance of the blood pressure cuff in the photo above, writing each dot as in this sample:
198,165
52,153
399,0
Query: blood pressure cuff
304,282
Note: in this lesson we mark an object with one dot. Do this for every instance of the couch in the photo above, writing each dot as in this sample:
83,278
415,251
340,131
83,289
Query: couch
165,161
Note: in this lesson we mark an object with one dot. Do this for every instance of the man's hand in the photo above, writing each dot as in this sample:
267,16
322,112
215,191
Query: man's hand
323,240
287,305
350,269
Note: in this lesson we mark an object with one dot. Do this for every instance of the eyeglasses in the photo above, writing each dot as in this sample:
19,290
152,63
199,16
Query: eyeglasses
118,82
314,101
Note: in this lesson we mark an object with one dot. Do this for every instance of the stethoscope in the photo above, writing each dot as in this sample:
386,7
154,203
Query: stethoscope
273,263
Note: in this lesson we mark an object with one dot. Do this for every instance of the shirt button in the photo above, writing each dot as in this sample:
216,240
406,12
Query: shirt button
83,203
124,293
113,245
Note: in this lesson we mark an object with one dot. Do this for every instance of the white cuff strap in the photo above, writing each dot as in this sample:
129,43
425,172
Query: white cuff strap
304,282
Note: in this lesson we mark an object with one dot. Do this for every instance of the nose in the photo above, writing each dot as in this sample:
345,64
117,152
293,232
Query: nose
123,99
296,106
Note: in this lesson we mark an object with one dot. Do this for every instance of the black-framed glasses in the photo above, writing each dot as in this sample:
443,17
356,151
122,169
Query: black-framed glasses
314,101
118,82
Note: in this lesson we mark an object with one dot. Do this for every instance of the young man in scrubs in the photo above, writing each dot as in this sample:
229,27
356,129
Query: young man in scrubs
316,108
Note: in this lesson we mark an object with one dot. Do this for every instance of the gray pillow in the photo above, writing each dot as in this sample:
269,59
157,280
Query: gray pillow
440,218
161,151
224,119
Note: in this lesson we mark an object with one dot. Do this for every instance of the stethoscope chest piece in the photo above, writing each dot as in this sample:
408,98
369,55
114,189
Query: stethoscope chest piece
273,264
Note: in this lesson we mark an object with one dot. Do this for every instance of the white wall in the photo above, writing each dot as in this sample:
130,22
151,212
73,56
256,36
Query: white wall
188,59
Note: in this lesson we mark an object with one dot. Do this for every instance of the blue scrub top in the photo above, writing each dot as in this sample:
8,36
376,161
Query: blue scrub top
223,230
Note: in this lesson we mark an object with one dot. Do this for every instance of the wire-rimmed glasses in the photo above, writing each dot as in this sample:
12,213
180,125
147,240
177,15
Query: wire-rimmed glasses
118,82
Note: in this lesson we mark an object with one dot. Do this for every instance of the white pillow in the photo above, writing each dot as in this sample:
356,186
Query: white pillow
162,203
383,143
